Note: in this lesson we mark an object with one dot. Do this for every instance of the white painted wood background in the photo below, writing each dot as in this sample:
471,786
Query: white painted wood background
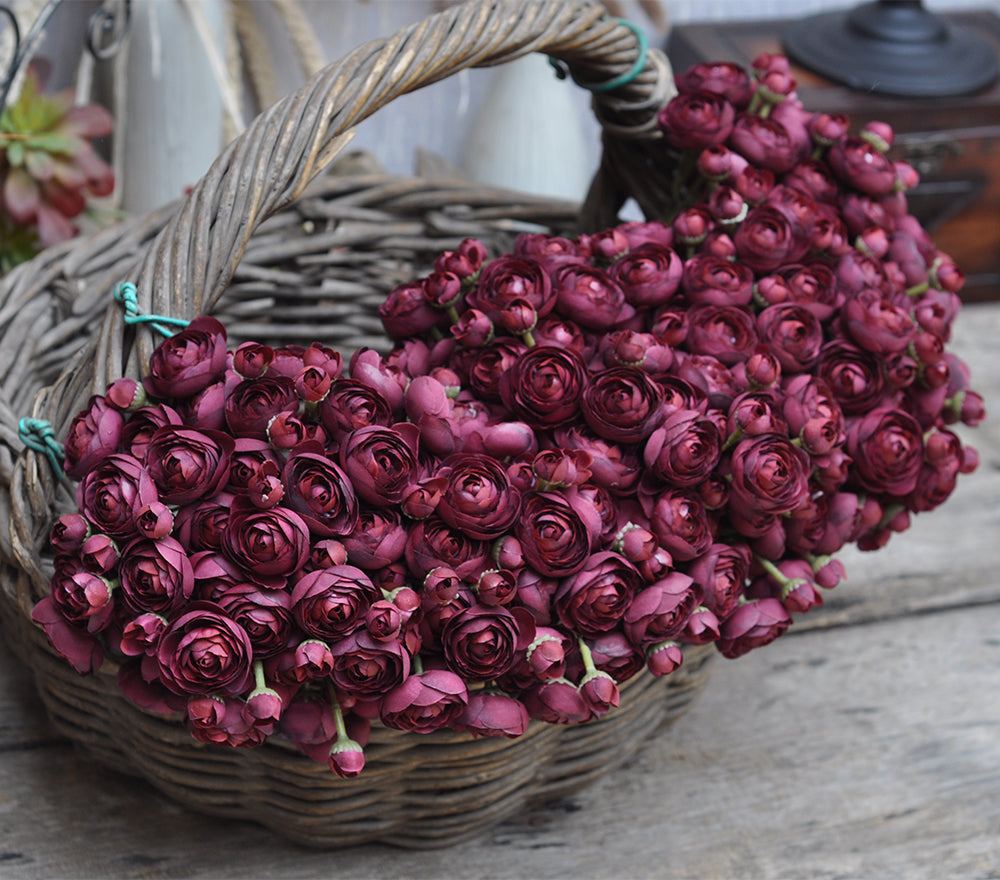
173,123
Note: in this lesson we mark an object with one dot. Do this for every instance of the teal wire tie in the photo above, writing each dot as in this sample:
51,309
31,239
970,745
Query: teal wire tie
37,434
640,62
125,293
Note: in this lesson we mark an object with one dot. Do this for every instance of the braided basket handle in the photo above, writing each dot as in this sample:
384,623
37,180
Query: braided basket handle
193,259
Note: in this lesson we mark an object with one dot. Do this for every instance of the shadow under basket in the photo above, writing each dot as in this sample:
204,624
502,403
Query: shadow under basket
281,253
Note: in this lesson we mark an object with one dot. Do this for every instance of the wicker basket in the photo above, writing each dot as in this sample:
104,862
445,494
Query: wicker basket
276,250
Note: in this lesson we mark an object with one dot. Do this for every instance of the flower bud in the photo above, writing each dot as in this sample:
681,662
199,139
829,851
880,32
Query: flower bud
663,658
347,758
600,692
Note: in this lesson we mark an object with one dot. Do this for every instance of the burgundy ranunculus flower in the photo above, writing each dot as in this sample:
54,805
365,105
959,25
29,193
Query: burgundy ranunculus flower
557,701
813,415
189,361
681,524
553,536
265,615
69,532
188,465
352,405
727,333
770,475
888,450
205,652
721,572
425,701
478,498
110,494
320,492
406,311
766,143
876,324
74,644
622,404
598,596
141,635
752,625
269,544
380,462
544,386
685,449
378,539
859,164
482,643
713,280
648,275
432,543
719,78
200,525
367,668
491,363
252,404
156,576
83,598
331,603
612,467
766,240
793,333
660,611
590,296
93,434
695,120
510,278
853,375
493,714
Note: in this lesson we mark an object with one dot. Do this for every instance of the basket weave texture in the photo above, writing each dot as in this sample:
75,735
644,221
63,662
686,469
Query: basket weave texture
281,252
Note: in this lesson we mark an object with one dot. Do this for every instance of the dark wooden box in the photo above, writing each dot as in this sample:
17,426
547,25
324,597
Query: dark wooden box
953,142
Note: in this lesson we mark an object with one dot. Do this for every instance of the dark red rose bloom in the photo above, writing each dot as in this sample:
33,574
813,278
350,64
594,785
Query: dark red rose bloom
69,532
189,465
681,524
756,412
557,701
720,78
93,435
770,475
622,404
766,240
598,596
252,404
367,668
590,297
156,576
493,714
888,450
793,333
189,361
648,275
728,333
432,543
554,538
425,701
380,462
509,278
465,261
813,415
378,539
613,467
83,598
715,280
694,120
661,610
478,498
814,286
685,449
752,625
205,652
248,456
331,603
614,654
265,615
320,492
112,492
544,386
268,544
482,643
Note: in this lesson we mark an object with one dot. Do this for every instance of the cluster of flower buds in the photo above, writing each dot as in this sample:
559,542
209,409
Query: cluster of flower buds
578,457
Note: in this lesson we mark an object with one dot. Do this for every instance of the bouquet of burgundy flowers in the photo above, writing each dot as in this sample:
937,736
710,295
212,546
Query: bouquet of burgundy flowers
578,457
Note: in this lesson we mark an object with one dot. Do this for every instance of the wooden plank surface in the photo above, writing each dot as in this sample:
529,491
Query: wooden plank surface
864,744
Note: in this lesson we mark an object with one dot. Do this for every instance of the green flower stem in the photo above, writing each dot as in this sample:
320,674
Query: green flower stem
258,675
417,664
588,658
528,338
452,313
338,716
891,512
773,570
918,289
732,439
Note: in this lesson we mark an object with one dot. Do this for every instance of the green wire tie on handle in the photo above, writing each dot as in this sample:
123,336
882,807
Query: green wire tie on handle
37,434
562,70
125,293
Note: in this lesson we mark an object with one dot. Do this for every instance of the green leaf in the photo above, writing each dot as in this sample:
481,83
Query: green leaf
53,143
15,153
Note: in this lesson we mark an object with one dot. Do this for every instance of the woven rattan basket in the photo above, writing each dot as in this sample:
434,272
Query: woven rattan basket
281,252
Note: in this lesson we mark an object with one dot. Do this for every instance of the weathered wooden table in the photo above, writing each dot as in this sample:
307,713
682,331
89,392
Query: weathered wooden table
864,744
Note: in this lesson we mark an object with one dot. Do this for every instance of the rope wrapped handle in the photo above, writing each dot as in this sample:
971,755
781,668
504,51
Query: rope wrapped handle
194,258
